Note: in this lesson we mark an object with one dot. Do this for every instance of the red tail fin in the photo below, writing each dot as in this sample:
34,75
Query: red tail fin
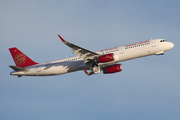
20,59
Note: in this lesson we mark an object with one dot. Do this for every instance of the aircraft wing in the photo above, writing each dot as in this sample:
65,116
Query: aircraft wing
87,55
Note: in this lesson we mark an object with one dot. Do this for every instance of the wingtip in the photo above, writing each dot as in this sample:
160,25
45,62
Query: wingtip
61,38
86,72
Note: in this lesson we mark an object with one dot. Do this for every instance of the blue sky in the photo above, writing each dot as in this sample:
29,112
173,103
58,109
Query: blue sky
147,88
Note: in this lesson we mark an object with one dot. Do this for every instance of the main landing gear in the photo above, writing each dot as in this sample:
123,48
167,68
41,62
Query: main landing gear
95,69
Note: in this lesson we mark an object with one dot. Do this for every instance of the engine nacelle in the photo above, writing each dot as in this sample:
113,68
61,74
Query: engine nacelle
105,58
113,69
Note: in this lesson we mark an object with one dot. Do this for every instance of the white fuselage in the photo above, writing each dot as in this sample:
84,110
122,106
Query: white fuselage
121,53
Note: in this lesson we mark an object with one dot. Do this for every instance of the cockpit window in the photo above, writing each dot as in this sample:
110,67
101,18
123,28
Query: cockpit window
163,41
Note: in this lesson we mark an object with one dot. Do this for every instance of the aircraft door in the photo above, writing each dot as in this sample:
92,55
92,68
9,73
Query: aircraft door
39,70
121,51
153,43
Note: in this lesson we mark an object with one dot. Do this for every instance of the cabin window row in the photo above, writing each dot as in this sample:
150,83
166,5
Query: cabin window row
110,51
61,62
137,46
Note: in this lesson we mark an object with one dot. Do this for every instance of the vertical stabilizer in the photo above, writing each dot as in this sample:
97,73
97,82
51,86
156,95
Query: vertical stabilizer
20,59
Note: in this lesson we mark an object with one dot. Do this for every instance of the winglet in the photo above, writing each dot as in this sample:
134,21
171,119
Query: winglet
61,38
86,72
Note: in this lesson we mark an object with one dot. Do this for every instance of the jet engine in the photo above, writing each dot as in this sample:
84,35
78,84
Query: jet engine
112,69
105,58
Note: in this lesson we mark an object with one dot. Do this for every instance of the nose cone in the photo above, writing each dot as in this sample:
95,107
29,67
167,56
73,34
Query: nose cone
171,45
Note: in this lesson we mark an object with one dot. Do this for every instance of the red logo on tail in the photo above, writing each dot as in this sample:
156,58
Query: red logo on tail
20,58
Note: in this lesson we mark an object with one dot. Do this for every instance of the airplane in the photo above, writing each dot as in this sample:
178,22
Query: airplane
105,60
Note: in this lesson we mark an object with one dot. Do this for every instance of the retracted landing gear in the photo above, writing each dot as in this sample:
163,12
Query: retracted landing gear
95,69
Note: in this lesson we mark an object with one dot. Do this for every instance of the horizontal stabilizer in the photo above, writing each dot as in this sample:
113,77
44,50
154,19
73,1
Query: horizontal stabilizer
16,68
